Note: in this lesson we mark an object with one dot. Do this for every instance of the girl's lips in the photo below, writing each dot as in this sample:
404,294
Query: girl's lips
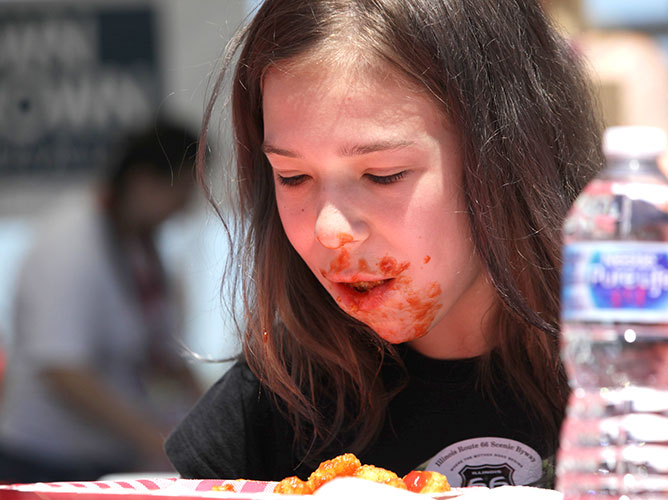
365,286
363,295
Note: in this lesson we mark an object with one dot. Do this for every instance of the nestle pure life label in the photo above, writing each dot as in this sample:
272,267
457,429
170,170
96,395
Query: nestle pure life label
615,281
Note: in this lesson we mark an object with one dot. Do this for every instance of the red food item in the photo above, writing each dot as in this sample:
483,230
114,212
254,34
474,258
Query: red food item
349,465
426,481
223,487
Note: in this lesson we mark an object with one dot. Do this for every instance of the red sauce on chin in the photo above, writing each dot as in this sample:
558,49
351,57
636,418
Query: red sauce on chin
415,308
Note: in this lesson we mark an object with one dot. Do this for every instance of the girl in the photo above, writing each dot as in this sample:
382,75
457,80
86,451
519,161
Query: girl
403,169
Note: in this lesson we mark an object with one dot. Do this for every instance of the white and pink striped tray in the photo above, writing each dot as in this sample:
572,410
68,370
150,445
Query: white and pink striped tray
344,488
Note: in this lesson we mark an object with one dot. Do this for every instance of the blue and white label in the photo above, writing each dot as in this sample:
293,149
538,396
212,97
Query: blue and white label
615,281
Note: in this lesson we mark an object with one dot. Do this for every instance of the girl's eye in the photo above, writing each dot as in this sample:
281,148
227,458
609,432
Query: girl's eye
386,179
294,180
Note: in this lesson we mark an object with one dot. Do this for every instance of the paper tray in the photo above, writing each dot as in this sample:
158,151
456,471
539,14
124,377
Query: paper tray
190,489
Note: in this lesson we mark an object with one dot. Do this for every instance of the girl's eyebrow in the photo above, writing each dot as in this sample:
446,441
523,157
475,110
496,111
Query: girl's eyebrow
351,150
373,147
269,149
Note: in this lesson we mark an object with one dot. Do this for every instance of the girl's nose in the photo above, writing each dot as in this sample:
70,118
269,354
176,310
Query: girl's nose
333,229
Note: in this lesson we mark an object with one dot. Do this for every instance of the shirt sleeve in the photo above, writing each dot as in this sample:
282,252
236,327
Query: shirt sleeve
57,307
230,433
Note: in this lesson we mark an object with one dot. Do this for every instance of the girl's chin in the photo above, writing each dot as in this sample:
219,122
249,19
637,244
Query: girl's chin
398,335
397,312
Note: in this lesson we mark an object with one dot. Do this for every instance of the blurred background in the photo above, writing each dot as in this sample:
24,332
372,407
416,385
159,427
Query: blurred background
92,385
625,44
74,75
77,75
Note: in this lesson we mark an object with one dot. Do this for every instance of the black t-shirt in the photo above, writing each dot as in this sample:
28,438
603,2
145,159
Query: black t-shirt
440,421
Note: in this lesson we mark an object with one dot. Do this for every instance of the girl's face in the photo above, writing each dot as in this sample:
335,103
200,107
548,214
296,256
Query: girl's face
368,187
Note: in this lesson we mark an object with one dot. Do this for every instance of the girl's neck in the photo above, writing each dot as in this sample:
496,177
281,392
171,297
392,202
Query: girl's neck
466,331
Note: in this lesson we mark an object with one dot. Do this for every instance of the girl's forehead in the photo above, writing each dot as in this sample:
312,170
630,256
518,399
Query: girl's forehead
320,102
325,75
302,84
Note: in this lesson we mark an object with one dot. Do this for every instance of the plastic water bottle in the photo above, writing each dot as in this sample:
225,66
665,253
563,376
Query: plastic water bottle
614,441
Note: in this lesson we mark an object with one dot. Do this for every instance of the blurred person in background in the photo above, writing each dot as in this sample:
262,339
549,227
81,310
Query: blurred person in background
96,326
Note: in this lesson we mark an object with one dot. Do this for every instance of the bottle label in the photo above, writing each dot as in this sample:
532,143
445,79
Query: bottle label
615,281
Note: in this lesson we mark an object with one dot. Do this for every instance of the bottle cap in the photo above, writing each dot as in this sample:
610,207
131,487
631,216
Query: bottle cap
634,142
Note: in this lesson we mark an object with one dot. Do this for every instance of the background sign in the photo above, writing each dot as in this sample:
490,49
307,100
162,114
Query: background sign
72,77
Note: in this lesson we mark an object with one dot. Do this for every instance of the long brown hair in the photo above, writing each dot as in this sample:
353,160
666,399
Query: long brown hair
530,141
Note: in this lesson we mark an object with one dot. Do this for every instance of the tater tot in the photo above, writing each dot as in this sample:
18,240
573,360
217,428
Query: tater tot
349,465
293,486
223,487
343,465
379,475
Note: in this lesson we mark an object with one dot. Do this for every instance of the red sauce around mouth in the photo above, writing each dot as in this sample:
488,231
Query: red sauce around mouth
344,238
340,263
427,259
416,309
389,266
423,308
434,290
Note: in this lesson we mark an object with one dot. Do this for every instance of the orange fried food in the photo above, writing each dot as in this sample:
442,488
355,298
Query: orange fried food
379,475
426,481
223,487
349,465
293,486
343,465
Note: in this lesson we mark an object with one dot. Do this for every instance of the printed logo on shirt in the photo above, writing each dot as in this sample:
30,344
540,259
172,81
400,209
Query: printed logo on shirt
490,475
488,461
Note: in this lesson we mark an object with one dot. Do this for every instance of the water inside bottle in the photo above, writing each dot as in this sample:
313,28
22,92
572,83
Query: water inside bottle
614,441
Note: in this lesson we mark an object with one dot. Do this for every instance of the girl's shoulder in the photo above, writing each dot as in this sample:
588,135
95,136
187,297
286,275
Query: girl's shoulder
238,384
230,431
